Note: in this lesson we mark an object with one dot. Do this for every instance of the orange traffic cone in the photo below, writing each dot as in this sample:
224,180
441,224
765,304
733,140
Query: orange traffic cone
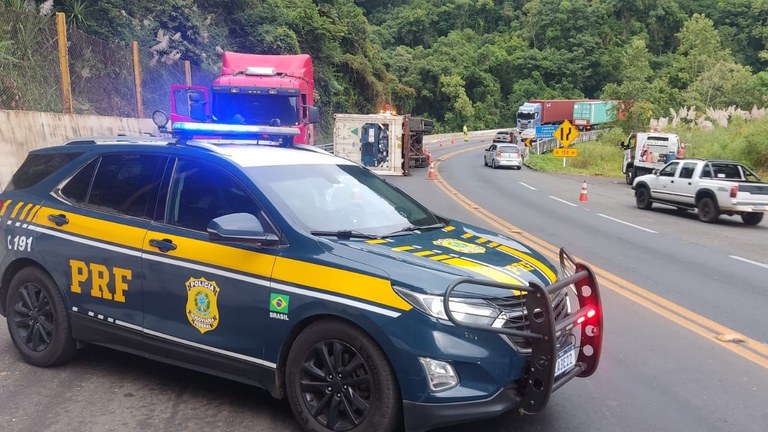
429,158
431,174
583,196
453,140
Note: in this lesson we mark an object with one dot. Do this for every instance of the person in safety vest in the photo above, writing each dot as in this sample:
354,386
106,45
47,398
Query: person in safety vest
466,133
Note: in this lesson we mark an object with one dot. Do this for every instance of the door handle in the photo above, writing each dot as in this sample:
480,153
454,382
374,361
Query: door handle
163,245
672,181
59,219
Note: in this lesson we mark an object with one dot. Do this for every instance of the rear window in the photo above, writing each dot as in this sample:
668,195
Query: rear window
37,167
509,149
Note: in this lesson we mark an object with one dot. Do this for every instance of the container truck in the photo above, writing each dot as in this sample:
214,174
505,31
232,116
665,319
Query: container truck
268,90
588,115
541,112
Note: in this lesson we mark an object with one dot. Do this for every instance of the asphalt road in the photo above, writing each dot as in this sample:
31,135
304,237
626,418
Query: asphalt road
658,373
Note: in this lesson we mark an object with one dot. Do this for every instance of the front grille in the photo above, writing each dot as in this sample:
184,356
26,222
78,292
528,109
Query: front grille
513,308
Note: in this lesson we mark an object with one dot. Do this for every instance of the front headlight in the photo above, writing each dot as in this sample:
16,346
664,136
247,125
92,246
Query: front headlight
472,311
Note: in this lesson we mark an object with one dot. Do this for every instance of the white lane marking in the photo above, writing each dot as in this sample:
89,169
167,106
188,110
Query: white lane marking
563,201
629,224
749,261
528,186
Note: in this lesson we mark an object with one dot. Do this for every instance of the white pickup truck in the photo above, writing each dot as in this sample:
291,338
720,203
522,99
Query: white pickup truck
713,187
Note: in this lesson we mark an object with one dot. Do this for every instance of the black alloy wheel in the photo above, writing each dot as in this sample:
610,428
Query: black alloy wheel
37,320
708,211
338,380
643,198
752,218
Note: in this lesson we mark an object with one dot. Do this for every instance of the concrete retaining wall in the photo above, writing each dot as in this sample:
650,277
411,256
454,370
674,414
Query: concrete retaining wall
23,131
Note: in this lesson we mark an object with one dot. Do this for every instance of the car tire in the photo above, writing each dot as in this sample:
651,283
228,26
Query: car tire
325,397
643,198
493,164
37,319
708,211
752,218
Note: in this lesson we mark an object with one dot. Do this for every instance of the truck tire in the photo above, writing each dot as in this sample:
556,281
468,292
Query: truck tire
752,218
325,396
37,319
630,175
708,211
643,198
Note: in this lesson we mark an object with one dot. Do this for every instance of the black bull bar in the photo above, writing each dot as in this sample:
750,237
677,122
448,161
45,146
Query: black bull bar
545,330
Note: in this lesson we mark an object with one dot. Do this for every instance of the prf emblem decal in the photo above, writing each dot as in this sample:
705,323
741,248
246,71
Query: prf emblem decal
460,246
202,310
278,306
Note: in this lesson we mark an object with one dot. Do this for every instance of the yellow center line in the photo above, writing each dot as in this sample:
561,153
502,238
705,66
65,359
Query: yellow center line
747,348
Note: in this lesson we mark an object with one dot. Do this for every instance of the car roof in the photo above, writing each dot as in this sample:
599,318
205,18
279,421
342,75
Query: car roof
243,152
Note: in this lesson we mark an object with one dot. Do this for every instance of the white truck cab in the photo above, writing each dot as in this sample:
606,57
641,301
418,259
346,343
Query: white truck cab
647,151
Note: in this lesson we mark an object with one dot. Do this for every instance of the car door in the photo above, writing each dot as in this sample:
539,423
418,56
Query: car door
206,302
489,154
665,181
681,187
92,230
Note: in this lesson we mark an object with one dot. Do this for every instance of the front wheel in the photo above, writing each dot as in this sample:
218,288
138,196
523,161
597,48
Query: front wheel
630,175
37,319
643,198
338,379
752,218
493,163
708,211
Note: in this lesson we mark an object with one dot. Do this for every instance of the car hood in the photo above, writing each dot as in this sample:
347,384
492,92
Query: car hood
429,261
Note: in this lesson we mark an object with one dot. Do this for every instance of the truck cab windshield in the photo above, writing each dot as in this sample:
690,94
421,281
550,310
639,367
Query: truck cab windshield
256,109
526,115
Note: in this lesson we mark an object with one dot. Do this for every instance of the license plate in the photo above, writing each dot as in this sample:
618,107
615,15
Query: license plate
566,359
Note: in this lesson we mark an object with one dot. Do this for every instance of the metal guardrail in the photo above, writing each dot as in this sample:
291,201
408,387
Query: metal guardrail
549,144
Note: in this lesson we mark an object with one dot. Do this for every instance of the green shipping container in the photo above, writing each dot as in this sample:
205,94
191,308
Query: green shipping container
587,115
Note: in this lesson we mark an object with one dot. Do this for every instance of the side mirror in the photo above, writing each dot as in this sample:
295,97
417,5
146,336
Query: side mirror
240,228
656,172
314,114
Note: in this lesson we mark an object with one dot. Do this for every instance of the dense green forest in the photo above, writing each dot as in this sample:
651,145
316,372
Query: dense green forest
469,61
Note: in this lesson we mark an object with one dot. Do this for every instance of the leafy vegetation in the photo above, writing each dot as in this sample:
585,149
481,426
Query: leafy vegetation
459,62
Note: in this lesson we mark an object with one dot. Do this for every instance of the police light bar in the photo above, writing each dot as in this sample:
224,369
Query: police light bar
260,71
230,130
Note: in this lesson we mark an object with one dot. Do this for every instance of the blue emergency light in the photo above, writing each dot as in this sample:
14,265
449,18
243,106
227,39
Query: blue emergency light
231,130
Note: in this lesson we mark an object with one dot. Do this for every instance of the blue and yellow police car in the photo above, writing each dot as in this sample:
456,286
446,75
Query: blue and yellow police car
288,268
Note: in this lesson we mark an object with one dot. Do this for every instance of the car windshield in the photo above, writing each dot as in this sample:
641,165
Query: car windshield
327,197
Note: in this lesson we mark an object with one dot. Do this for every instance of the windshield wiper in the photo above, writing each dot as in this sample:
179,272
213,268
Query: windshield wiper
412,228
344,234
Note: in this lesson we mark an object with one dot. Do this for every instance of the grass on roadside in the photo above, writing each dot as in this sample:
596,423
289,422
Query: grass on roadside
742,141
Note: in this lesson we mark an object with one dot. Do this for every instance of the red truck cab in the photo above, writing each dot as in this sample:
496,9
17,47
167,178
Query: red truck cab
253,89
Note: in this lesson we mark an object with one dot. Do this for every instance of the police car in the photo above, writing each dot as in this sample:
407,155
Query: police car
291,269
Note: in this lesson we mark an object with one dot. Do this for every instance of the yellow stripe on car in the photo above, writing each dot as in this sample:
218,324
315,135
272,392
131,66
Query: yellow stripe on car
374,289
25,212
16,209
5,206
524,256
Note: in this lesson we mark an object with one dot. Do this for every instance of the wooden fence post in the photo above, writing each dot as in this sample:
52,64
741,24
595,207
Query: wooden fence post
188,72
66,82
137,80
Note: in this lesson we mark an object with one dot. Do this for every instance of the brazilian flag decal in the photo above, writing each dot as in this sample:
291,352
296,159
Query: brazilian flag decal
279,303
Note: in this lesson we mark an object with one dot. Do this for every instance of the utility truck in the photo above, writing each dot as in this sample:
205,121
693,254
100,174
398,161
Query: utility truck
386,143
260,90
647,151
